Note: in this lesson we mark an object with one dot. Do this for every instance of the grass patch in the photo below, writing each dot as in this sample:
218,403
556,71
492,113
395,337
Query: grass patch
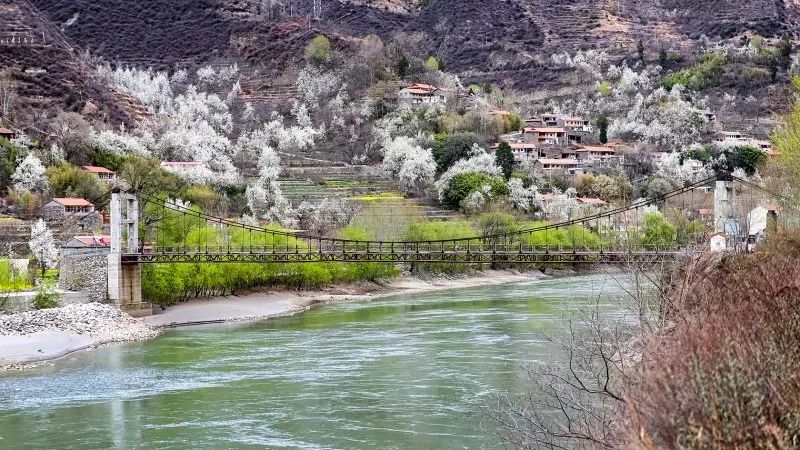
10,281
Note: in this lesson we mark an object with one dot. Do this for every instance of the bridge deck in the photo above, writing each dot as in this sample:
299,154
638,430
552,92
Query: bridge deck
502,254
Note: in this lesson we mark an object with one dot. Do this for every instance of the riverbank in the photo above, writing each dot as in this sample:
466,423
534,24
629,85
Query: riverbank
35,337
266,305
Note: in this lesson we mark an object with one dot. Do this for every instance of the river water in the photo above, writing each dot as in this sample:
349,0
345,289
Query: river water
404,372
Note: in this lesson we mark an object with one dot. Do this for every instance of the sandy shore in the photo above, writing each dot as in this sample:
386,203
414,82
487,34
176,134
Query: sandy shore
31,338
265,305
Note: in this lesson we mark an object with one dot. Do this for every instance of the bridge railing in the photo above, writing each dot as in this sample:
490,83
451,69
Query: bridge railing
412,247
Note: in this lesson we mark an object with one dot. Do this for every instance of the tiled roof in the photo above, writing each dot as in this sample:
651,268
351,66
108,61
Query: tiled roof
182,164
72,201
559,162
95,240
97,169
545,130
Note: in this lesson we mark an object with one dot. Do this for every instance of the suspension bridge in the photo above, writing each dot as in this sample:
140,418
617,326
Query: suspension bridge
236,242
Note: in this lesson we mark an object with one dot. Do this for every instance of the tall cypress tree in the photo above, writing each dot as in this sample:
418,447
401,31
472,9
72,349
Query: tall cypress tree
602,125
505,159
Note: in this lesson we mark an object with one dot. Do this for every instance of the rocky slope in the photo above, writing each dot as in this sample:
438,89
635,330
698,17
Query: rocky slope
507,42
49,72
469,35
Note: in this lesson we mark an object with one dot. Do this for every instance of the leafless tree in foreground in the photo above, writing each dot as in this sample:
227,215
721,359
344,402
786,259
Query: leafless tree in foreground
580,401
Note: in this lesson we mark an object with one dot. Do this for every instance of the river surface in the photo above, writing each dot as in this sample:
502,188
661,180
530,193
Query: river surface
403,372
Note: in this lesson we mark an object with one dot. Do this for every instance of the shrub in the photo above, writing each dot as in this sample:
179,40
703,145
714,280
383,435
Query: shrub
725,376
437,230
432,63
657,231
448,149
468,182
319,50
569,236
46,298
706,73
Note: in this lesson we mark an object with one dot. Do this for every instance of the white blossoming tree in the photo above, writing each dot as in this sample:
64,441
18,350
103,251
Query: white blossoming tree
29,176
410,163
563,206
264,198
522,198
42,246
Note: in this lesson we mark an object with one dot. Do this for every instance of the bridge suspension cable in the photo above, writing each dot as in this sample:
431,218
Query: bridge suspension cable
167,204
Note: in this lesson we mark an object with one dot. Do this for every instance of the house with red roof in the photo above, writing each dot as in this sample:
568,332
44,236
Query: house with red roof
419,94
76,210
101,172
7,133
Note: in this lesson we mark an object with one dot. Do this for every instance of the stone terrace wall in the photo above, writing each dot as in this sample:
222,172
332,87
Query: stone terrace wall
86,271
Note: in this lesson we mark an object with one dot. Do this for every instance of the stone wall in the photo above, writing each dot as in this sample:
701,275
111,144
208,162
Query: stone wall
85,270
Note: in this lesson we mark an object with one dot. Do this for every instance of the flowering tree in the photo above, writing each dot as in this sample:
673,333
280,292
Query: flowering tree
563,206
42,246
317,86
522,198
480,162
264,198
671,168
29,176
412,164
118,144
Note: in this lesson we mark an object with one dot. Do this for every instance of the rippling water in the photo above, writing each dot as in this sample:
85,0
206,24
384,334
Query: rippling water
410,371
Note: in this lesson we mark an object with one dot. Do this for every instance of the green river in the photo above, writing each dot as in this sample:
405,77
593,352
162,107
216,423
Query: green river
403,372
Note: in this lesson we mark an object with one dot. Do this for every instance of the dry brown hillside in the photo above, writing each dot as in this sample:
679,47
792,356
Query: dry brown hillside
507,42
49,73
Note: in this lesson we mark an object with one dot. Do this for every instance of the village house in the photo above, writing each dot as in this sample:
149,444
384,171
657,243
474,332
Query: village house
419,94
88,242
76,210
558,167
599,156
577,124
545,135
101,172
7,133
523,152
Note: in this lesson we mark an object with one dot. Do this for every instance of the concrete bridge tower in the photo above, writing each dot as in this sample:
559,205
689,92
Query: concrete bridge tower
125,280
723,204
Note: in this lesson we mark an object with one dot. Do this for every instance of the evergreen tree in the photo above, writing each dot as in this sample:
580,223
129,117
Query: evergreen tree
784,52
402,67
602,125
663,59
505,159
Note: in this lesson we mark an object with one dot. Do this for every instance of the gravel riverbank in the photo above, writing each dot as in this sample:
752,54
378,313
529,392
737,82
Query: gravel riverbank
31,337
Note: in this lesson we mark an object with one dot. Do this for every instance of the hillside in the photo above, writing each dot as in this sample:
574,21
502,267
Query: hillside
49,72
48,43
465,34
